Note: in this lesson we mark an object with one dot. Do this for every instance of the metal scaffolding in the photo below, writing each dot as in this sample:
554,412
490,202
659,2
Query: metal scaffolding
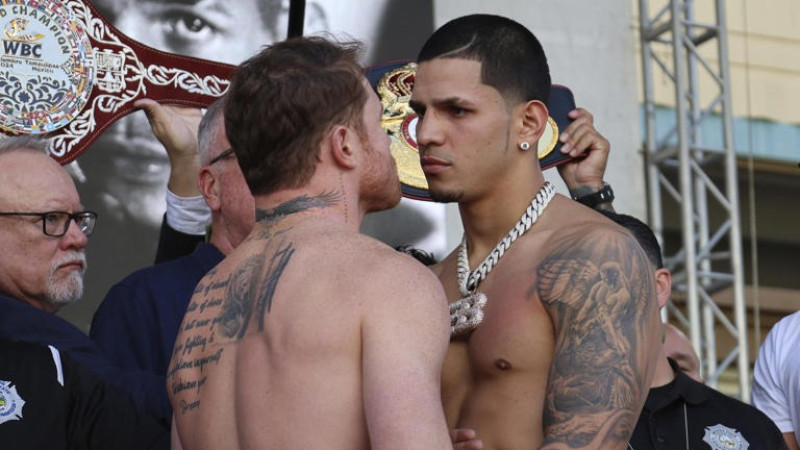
686,160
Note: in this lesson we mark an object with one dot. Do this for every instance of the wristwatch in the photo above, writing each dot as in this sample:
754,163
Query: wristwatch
604,195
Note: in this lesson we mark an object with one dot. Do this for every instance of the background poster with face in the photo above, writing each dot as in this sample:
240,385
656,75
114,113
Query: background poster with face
124,173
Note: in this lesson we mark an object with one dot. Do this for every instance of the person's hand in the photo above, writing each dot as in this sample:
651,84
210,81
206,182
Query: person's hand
176,128
465,439
589,148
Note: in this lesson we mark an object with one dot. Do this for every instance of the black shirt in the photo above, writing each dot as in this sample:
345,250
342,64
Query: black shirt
712,420
47,402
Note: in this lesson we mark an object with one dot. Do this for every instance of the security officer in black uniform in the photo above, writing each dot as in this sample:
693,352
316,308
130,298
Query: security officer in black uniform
49,402
680,412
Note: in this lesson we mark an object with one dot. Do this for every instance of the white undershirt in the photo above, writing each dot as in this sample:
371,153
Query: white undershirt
189,215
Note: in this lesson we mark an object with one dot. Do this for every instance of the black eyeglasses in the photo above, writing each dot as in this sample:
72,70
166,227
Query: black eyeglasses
56,223
221,156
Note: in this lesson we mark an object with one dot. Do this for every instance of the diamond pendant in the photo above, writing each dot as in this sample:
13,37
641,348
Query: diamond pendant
466,314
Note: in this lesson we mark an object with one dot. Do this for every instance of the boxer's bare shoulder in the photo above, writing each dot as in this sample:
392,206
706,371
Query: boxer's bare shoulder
600,294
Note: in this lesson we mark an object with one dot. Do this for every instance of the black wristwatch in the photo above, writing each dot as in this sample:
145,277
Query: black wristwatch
605,195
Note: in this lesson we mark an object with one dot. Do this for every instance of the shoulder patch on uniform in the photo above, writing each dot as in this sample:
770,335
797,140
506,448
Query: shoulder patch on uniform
10,403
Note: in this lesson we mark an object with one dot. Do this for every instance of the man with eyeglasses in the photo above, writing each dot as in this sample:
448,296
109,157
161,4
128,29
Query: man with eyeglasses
126,169
138,320
56,223
44,250
44,231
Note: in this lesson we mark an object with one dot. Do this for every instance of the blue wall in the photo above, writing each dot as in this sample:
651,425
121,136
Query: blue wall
767,140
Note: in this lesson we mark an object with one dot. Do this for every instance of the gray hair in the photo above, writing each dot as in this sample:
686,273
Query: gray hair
208,129
31,143
25,142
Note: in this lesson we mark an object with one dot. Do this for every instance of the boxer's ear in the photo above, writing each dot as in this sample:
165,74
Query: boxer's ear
341,144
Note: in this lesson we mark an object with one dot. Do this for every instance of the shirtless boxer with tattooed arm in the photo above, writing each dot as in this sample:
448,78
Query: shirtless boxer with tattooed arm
551,322
310,335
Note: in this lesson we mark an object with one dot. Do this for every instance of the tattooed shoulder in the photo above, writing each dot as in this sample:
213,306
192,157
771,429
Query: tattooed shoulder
600,292
250,290
571,271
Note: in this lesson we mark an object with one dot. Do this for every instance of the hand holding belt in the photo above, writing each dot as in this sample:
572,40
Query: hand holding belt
66,73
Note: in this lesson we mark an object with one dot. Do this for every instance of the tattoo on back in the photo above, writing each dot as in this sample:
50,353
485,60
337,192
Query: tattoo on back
236,309
251,289
248,292
279,261
231,303
600,295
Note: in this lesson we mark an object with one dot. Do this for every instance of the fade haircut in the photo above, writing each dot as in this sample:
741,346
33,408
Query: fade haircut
512,59
282,102
642,233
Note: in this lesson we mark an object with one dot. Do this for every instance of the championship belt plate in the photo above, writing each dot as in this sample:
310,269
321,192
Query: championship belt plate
67,74
393,83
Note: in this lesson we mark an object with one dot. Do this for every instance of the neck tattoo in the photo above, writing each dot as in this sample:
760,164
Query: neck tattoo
296,205
344,196
467,313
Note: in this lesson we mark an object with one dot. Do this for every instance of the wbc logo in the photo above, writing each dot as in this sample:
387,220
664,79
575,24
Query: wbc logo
46,66
17,43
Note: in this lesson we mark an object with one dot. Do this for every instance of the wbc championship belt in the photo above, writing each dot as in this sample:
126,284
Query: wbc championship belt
68,74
